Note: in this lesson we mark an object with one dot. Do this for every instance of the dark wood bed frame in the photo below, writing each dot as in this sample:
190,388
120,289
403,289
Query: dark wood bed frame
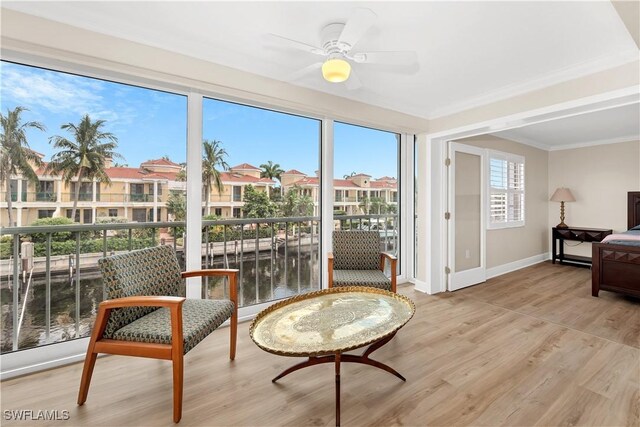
616,268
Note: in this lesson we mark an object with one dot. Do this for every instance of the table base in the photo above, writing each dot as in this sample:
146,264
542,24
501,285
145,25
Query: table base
337,358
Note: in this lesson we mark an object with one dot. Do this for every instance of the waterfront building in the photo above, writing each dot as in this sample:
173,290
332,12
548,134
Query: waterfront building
140,194
350,193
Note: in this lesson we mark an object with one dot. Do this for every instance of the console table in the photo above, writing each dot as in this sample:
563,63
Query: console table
578,234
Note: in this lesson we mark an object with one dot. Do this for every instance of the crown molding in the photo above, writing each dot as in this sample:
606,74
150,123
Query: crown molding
522,140
537,144
554,77
627,138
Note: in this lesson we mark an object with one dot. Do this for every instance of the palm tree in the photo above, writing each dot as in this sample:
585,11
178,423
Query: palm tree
85,156
213,156
15,154
271,170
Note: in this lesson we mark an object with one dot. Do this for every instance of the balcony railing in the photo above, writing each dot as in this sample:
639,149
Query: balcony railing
40,196
50,285
43,197
60,282
14,196
139,198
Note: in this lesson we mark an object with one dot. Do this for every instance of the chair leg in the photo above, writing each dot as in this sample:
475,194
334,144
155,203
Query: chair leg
178,379
87,372
233,330
90,358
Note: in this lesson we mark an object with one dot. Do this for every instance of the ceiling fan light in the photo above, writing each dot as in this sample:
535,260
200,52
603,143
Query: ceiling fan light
336,70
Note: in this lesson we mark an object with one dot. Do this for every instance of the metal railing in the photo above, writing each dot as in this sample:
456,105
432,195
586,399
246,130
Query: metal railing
50,285
266,251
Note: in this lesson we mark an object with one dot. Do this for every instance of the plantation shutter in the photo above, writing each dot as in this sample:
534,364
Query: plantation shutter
506,190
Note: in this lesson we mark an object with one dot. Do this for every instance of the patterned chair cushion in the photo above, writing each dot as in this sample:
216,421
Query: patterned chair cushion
371,278
152,271
199,319
356,250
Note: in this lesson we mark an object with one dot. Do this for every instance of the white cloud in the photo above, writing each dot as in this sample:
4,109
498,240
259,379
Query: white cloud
60,93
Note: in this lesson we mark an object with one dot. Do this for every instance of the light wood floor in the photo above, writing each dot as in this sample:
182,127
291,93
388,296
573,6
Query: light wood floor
528,348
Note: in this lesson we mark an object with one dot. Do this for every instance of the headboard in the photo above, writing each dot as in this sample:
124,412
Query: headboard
633,213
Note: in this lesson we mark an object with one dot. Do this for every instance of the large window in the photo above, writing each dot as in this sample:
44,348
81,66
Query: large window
143,139
260,200
366,166
506,190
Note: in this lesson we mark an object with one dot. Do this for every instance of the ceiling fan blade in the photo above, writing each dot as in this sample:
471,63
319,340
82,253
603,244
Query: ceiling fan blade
390,58
361,20
303,72
274,40
353,82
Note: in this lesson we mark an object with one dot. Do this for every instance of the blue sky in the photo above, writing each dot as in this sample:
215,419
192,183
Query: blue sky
150,124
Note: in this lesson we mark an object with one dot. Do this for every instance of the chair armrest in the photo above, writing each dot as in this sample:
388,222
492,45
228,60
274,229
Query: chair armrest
388,256
210,272
142,301
393,261
330,269
231,273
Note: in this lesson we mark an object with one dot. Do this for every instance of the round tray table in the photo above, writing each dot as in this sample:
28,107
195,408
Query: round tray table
323,325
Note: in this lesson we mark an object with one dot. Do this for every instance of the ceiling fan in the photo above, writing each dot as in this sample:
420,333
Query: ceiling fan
338,39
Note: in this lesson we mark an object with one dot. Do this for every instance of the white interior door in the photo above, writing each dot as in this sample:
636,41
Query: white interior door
466,207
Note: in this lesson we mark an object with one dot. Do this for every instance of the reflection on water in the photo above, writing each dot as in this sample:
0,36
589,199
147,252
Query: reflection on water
261,281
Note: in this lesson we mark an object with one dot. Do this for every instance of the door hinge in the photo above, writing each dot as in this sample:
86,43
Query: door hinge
447,215
447,161
447,270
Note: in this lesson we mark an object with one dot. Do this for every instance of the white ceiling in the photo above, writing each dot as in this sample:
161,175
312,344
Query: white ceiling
469,52
600,127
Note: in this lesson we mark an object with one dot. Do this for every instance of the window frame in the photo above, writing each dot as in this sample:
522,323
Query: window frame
49,213
194,91
509,158
236,197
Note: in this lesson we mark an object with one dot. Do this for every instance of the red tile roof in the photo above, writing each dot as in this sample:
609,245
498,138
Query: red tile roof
344,183
307,181
386,178
238,177
382,184
245,166
160,162
293,172
361,174
137,173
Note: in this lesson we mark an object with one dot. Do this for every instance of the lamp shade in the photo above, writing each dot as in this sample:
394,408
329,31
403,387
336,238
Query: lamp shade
336,70
562,195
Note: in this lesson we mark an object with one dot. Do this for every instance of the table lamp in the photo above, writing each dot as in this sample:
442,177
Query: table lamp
562,195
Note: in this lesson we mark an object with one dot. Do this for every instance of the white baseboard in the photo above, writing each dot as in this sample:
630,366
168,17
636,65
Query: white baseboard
516,265
423,287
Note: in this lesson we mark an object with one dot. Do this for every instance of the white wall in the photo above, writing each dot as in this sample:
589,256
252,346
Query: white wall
508,245
599,178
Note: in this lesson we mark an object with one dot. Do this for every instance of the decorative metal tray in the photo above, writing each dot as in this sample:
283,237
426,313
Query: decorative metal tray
330,321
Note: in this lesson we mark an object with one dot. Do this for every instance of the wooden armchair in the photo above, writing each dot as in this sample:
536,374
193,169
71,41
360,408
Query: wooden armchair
357,261
146,315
